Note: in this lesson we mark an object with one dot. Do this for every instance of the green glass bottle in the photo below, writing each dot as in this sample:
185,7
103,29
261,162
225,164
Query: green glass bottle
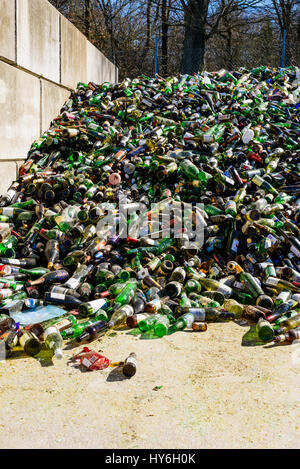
215,285
251,284
191,171
184,321
148,323
127,294
76,330
265,330
260,182
161,326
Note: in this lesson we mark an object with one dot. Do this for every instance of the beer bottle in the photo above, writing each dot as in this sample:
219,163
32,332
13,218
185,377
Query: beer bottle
61,299
139,301
77,329
288,337
81,272
208,314
199,326
126,295
91,332
7,324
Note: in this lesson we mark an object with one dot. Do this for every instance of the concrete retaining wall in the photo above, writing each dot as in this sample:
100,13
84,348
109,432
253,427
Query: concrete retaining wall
42,57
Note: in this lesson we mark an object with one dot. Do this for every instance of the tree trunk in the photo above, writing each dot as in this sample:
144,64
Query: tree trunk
164,38
195,17
229,54
229,49
148,35
288,51
87,18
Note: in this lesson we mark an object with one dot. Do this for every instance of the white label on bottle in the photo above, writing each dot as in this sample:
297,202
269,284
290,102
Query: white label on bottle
72,283
131,360
10,194
208,138
224,289
141,317
272,281
97,304
8,211
14,262
86,362
92,126
284,295
58,296
199,315
50,330
272,238
189,317
295,251
58,289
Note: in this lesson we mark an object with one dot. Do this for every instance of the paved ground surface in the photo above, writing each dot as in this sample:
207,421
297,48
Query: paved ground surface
215,393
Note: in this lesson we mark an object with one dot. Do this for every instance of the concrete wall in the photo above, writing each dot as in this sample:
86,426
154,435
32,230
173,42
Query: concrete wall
42,57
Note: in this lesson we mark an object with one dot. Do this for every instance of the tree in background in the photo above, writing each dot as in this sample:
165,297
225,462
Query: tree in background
286,14
192,34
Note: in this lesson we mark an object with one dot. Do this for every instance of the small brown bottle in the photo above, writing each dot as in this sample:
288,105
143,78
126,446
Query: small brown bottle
129,368
199,326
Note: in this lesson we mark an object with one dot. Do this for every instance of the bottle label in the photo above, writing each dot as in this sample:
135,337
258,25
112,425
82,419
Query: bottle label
131,360
224,289
58,289
235,245
10,194
8,211
199,314
72,283
58,296
50,330
189,317
295,251
63,324
97,304
142,317
272,281
208,138
283,296
14,261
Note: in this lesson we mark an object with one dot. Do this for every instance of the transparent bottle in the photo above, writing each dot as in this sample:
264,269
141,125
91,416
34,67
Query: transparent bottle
54,341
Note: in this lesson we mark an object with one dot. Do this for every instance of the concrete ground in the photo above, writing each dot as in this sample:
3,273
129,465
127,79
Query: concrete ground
215,393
